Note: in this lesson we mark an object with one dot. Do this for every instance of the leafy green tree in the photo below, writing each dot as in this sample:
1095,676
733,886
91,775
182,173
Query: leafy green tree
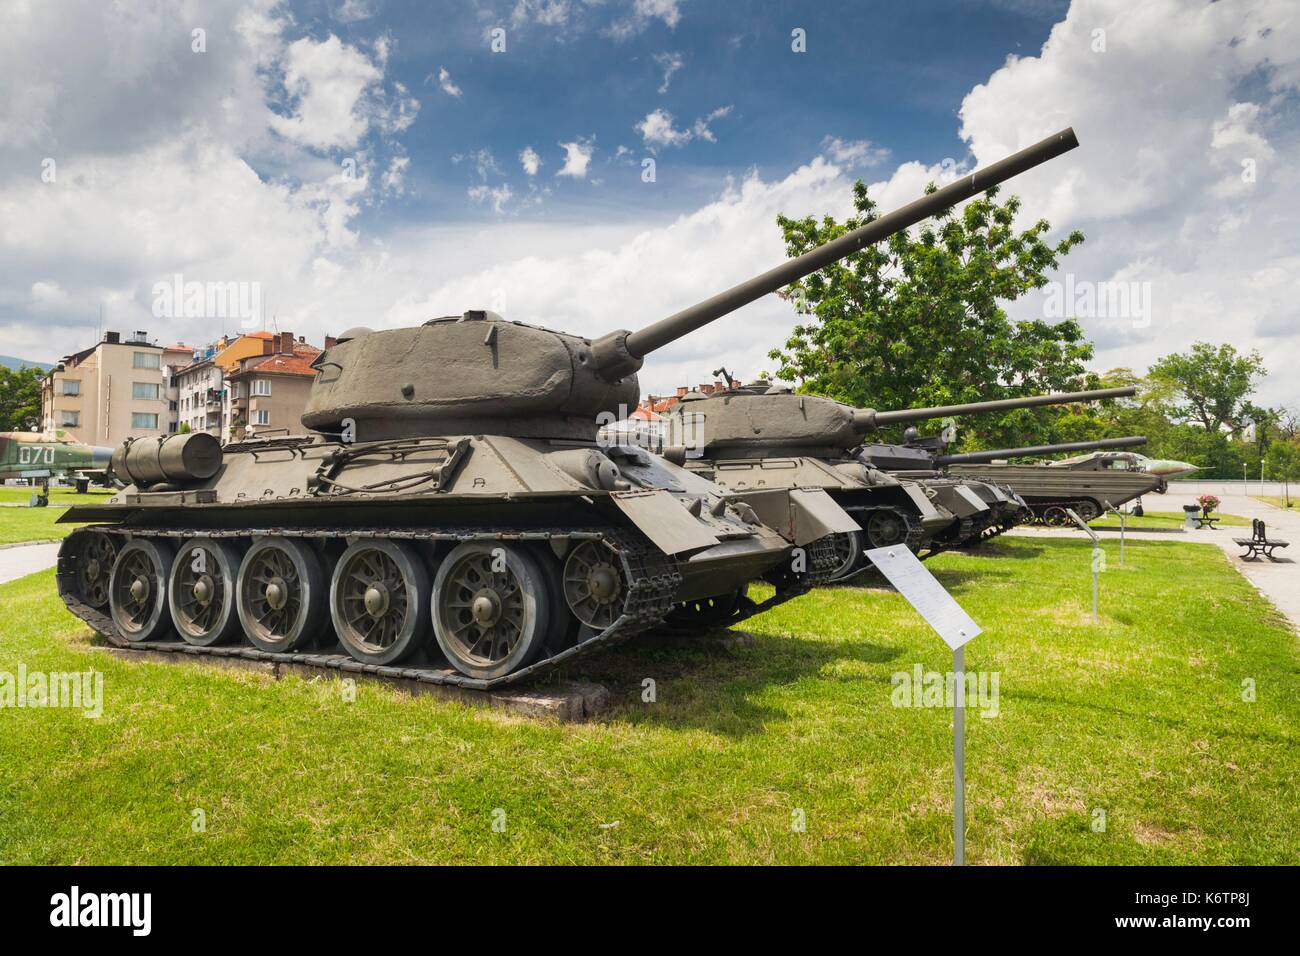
20,398
1211,385
1283,464
918,319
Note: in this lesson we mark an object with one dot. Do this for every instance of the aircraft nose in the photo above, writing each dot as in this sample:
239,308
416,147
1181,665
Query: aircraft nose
100,456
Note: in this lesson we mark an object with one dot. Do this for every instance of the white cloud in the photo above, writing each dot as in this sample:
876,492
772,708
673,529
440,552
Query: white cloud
394,178
530,161
643,13
328,82
854,152
1183,95
577,157
350,11
658,129
670,63
446,84
496,197
549,13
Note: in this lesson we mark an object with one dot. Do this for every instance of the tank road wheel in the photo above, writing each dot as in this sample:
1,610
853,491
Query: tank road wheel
594,587
281,594
379,601
491,612
95,560
1087,510
201,591
1056,516
848,553
137,590
885,528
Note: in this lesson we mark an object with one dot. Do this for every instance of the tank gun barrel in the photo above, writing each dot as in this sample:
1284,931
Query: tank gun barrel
979,457
619,352
868,419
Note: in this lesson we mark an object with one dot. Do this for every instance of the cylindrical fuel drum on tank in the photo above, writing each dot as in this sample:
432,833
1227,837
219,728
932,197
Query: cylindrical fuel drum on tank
175,459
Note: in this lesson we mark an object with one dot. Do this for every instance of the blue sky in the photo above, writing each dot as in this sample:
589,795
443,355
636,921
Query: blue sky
892,73
359,161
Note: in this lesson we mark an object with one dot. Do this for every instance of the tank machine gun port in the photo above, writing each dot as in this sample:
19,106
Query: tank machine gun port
458,510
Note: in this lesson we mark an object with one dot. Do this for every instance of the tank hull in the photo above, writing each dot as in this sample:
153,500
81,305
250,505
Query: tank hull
1046,488
593,544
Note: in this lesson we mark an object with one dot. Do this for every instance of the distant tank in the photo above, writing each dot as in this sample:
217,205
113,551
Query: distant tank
759,436
456,485
1088,485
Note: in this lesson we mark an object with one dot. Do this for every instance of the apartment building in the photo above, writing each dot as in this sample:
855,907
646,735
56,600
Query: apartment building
200,396
268,393
103,394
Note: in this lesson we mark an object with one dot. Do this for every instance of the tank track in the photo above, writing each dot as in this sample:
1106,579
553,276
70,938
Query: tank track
1040,509
653,580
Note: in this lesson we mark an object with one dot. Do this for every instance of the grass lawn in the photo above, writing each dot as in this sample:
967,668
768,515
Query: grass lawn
32,524
1140,716
1277,501
14,494
1165,519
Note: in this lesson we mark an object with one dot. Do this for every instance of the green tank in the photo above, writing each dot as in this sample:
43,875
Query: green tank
453,517
759,436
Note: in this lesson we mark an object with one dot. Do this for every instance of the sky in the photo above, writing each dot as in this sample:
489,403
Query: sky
590,165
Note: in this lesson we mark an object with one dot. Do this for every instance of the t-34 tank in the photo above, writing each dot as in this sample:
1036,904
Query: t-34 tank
758,436
455,484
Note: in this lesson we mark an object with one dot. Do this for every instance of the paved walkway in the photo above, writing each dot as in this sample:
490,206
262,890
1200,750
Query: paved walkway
1279,580
26,559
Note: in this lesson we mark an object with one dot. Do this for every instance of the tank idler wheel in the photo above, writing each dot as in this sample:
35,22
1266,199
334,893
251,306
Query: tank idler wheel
379,601
848,554
137,592
884,528
1056,516
281,595
201,592
95,559
706,613
491,608
594,587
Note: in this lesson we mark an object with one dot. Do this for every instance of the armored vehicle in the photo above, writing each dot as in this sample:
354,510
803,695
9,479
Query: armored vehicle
454,483
1088,484
761,436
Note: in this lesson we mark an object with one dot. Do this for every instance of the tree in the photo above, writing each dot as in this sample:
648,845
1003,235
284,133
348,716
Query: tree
1211,385
20,398
1283,464
918,320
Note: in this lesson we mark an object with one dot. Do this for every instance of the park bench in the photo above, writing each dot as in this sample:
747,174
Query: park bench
1206,521
1258,542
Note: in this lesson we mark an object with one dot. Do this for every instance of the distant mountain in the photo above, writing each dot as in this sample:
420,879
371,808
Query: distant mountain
8,361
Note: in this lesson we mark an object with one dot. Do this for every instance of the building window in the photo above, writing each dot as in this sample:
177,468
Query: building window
144,420
261,416
261,386
72,386
144,390
146,360
70,419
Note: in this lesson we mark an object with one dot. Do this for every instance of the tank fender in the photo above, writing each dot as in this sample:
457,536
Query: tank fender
801,515
661,517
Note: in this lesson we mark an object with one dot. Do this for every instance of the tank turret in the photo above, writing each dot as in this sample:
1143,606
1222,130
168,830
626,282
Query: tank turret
478,373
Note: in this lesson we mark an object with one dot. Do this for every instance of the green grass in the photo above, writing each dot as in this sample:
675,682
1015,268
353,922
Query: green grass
12,494
1165,519
32,524
1277,501
1140,715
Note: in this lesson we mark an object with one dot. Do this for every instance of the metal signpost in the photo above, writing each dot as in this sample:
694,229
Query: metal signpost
912,580
1096,547
1123,523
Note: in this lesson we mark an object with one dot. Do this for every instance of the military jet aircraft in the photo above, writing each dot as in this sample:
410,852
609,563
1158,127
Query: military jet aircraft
1125,461
41,456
